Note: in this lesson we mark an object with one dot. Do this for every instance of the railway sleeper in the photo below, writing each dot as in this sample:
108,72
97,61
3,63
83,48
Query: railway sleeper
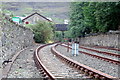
93,74
44,74
96,76
102,78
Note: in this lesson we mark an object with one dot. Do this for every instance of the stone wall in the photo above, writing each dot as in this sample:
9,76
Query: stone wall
14,37
110,39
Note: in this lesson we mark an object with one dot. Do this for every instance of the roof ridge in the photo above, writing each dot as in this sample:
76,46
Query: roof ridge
37,14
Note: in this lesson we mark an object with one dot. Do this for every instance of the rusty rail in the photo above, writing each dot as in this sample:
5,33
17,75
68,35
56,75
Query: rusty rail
107,48
103,47
7,69
102,52
43,70
89,71
99,57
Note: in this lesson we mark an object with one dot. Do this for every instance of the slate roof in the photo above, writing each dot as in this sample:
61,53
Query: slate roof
37,14
61,27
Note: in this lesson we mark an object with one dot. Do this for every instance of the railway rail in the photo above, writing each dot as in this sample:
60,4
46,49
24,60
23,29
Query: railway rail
43,70
87,70
116,49
93,48
102,52
117,62
53,66
103,49
22,63
8,67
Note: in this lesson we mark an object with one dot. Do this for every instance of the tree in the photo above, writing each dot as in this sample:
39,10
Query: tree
42,32
92,17
76,19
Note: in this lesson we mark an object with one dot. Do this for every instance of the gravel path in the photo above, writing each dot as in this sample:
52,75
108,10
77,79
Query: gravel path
56,67
24,66
98,64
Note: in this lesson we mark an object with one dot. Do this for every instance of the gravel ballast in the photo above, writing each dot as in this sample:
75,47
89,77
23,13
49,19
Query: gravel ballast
95,63
56,67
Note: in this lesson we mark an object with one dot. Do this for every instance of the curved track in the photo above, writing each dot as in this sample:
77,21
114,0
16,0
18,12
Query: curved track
44,71
7,69
80,67
53,68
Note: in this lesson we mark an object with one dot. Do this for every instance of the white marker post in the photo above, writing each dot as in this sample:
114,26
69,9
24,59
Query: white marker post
75,47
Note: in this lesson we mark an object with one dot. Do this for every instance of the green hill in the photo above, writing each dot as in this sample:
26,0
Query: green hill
58,11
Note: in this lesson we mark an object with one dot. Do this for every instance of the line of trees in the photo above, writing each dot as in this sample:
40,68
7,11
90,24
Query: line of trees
93,17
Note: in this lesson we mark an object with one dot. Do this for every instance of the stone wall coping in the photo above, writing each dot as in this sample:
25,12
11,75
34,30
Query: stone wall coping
103,33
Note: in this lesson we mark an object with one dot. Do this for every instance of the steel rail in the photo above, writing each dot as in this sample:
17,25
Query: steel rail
89,71
43,70
107,48
99,57
7,69
102,52
103,47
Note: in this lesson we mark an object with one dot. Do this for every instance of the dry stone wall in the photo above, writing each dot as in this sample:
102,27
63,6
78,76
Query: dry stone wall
110,39
14,38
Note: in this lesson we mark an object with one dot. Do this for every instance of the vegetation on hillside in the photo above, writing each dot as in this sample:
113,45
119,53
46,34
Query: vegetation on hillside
93,17
58,11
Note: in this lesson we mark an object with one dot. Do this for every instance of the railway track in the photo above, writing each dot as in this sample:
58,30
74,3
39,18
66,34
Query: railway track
102,52
56,68
43,64
8,67
102,47
111,60
21,62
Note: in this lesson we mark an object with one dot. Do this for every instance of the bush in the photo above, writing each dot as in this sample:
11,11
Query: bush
43,32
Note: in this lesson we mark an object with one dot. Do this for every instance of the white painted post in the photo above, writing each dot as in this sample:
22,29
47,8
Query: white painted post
76,49
73,48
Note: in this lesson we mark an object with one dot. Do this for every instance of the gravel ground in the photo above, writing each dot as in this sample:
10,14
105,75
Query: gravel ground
95,63
24,66
56,67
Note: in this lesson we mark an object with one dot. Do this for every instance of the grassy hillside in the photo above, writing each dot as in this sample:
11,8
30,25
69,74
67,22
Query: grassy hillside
58,11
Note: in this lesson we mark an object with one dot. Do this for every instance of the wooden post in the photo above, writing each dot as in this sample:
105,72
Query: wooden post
68,47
